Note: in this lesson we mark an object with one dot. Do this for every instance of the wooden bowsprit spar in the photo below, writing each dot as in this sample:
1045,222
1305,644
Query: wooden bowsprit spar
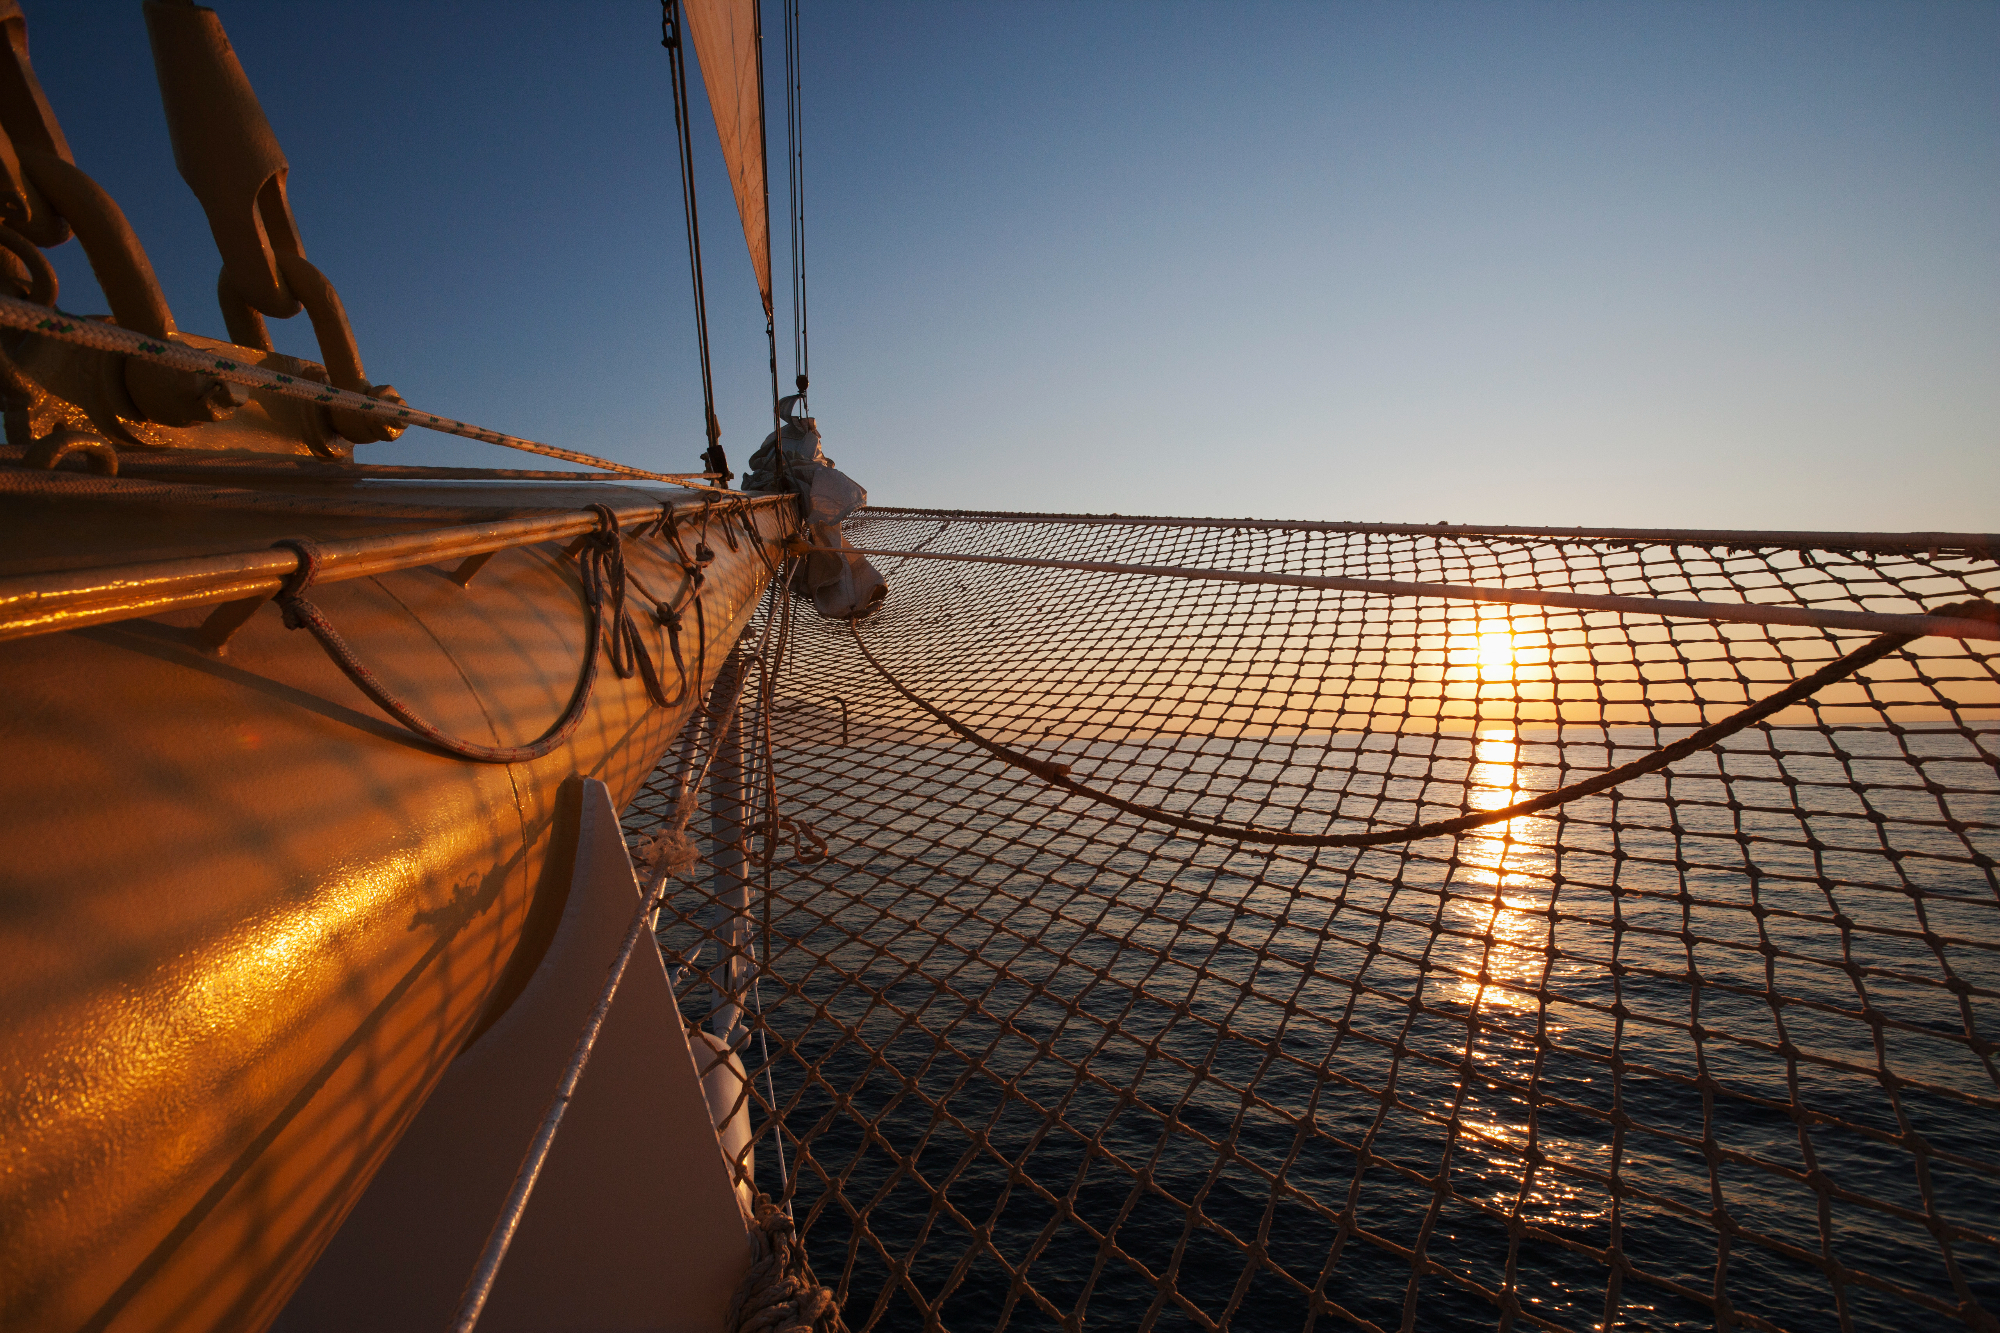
265,887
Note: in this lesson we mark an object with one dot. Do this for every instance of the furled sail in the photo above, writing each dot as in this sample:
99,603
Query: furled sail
725,36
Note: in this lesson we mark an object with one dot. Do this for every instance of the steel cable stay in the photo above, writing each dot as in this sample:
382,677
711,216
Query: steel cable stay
714,458
795,164
1058,775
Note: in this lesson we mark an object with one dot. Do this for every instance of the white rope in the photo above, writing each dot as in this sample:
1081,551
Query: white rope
40,319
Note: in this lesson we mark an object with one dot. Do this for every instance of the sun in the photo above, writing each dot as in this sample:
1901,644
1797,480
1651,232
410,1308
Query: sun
1496,654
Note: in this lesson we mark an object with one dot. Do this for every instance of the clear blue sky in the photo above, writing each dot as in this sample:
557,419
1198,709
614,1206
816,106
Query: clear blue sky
1677,263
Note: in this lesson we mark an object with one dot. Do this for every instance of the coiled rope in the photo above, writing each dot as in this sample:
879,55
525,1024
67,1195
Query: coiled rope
1058,775
601,564
779,1294
302,614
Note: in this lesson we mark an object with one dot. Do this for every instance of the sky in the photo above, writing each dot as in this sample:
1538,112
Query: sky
1672,264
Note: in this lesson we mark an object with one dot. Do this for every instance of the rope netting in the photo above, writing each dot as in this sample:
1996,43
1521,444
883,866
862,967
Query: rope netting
1711,1048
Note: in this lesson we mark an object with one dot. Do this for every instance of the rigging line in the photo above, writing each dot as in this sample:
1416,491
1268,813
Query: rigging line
18,314
1057,775
1978,545
781,464
670,38
795,145
1944,622
601,576
768,691
770,322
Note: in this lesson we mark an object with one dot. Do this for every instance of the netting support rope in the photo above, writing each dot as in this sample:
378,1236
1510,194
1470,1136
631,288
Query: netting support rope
1058,775
1943,622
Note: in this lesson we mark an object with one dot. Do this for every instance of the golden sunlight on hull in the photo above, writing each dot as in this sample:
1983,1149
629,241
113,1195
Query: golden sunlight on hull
255,919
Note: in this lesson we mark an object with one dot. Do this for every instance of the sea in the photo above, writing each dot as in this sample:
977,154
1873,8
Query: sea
1713,1048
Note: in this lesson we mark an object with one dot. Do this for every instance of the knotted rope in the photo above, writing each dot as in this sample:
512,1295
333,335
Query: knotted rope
1058,775
671,852
601,565
779,1294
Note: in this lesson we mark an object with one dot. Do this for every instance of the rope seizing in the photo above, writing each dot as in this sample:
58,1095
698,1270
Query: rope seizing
1058,775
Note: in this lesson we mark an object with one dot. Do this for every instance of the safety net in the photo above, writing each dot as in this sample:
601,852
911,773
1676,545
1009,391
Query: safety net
1710,1047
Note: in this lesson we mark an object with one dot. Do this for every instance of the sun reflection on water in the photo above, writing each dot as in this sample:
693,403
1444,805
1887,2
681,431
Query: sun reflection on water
1503,890
1510,859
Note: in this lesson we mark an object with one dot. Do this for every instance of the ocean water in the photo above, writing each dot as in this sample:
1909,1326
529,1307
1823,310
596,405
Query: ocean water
1039,1066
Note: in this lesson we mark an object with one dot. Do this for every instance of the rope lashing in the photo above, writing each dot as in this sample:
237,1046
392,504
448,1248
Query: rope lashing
1058,775
779,1294
603,576
671,852
40,319
667,528
809,845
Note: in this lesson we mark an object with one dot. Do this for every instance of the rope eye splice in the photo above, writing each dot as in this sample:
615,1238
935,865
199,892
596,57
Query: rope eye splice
603,577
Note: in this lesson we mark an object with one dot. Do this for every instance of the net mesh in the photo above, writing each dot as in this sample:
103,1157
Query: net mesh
1711,1049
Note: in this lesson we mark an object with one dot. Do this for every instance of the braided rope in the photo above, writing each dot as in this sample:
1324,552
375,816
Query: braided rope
779,1294
20,314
